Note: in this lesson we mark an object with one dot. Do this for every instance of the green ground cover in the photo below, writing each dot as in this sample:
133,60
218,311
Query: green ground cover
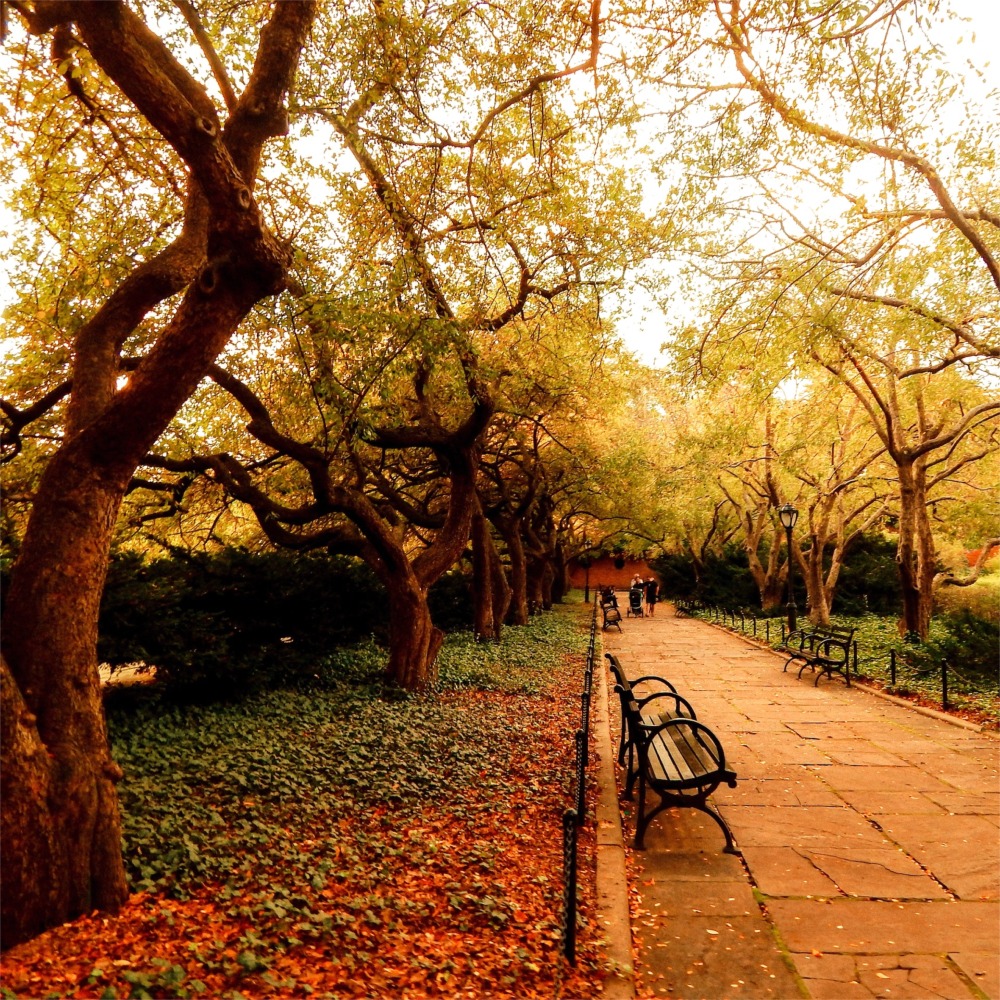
343,839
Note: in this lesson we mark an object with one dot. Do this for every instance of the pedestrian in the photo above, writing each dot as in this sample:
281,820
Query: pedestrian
652,589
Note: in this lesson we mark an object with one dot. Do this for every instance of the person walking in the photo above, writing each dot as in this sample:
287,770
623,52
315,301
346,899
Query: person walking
652,589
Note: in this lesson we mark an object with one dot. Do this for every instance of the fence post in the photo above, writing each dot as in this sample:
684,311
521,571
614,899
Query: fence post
581,773
767,630
569,885
944,686
892,666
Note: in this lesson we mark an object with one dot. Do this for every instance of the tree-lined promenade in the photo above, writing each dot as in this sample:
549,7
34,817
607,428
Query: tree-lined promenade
335,278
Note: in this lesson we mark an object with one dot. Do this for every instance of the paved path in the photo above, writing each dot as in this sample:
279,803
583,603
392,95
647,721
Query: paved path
869,836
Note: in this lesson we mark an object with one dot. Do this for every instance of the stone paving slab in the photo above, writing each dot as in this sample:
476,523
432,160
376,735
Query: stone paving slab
844,777
793,826
714,958
981,968
861,926
842,977
869,838
962,851
878,802
766,792
885,873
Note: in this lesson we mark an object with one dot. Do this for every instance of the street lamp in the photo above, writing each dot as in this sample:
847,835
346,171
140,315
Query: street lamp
788,515
586,571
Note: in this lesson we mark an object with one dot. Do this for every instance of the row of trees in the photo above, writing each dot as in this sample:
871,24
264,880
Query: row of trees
332,276
847,359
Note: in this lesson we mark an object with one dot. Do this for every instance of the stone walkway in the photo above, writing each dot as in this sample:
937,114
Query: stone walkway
869,838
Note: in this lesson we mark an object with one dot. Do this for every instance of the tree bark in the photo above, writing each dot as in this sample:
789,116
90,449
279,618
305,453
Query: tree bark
915,554
59,776
61,825
414,640
482,579
510,530
500,590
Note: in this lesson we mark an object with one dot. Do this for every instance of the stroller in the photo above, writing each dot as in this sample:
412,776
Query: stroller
634,603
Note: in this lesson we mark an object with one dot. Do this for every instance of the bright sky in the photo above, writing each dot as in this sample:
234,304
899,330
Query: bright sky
641,323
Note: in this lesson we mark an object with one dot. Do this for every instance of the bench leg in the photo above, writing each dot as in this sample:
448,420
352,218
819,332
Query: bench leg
730,847
642,820
621,741
631,773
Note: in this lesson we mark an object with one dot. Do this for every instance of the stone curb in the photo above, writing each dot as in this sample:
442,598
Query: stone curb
613,914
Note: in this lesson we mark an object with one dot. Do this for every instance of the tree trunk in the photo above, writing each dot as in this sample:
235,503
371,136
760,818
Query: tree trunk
482,579
414,640
61,827
560,576
535,588
816,590
915,552
500,590
511,532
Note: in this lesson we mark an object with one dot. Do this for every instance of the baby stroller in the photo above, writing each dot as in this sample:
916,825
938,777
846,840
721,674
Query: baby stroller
634,603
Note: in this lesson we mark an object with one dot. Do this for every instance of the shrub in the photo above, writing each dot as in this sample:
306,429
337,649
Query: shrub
869,579
964,641
982,599
227,623
726,579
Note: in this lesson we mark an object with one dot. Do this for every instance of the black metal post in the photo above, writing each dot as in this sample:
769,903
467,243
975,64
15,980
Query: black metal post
792,611
944,686
586,585
892,667
569,885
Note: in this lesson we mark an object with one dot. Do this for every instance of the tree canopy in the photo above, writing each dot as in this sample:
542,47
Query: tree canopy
342,275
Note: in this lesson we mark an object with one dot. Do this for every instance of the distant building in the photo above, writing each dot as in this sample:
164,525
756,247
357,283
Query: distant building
605,571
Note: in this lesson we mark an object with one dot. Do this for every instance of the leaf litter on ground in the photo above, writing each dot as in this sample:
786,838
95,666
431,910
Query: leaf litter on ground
347,841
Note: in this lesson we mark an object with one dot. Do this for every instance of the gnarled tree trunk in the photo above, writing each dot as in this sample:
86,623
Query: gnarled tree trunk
414,640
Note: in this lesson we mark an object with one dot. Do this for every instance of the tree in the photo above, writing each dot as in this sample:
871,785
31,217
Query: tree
61,835
862,238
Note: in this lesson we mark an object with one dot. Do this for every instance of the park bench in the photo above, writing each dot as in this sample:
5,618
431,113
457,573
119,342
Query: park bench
823,647
610,612
670,752
671,705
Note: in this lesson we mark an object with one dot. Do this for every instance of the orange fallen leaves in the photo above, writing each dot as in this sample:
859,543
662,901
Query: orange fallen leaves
444,942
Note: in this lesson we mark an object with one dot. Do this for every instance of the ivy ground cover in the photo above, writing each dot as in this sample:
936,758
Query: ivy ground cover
345,841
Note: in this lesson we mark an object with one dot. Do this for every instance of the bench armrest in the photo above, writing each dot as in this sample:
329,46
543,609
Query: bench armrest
652,677
680,702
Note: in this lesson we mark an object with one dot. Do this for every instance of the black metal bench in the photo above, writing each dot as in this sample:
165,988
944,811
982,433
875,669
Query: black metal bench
823,647
654,706
612,616
670,751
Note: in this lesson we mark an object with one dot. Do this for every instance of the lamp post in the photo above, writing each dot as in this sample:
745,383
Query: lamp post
788,515
586,571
